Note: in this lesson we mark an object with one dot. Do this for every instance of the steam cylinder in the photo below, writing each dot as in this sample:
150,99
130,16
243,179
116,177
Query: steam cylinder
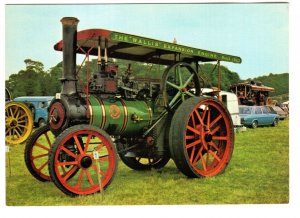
118,116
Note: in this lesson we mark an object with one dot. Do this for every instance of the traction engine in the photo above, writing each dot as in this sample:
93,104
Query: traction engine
89,130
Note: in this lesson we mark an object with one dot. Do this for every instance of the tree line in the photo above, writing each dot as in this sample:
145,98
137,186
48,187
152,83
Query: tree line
278,81
34,80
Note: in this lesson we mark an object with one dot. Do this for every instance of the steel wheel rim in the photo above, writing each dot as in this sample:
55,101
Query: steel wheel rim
84,183
208,138
18,122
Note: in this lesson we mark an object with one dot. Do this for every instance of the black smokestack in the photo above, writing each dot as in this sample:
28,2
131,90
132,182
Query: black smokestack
69,81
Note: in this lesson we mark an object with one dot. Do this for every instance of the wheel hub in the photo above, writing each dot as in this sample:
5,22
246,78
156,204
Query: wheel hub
86,162
11,122
184,90
56,115
208,137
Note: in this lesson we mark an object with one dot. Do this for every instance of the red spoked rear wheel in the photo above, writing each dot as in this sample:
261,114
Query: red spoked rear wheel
87,150
201,137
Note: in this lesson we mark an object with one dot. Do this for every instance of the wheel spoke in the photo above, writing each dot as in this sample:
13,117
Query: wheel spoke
23,126
220,138
89,177
12,133
215,121
175,98
67,175
214,146
204,111
43,166
173,85
179,76
63,169
193,130
67,163
189,137
41,146
23,116
203,162
7,131
199,117
68,152
182,96
22,121
214,155
190,94
193,120
39,156
104,158
18,114
97,170
11,114
192,154
215,130
208,119
87,143
207,159
16,130
15,111
188,81
48,139
78,144
193,143
99,147
79,179
197,156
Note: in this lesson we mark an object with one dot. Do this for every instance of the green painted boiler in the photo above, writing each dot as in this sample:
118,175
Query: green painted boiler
118,116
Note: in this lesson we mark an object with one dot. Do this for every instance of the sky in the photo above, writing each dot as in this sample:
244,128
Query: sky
257,32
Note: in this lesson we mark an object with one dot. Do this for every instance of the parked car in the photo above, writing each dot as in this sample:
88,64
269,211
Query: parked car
277,110
254,116
39,107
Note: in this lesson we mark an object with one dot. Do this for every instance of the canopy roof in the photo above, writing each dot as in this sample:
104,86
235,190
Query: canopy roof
137,48
253,87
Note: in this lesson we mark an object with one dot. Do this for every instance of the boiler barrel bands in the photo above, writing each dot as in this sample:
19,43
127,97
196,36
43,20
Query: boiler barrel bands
118,116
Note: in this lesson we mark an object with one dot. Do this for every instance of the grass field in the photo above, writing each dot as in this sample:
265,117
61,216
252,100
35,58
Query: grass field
257,174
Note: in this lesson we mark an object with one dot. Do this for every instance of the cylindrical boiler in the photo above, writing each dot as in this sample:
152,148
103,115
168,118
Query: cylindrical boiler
118,116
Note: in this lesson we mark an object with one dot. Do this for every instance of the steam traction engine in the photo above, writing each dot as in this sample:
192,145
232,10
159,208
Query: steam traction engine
88,129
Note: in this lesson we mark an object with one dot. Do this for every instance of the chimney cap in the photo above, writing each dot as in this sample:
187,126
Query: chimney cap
69,21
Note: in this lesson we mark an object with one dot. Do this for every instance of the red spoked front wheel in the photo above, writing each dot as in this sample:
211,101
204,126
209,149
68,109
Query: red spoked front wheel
87,150
201,137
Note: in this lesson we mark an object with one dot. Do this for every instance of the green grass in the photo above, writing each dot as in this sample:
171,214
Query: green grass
257,174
